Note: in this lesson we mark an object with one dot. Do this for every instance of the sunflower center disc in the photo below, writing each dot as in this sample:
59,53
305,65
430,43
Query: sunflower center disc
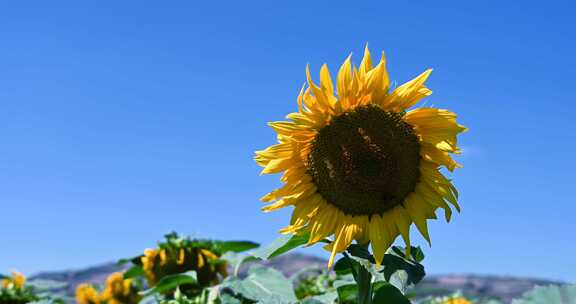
365,161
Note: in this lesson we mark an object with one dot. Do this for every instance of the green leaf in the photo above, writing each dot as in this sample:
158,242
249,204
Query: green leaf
134,271
557,294
393,263
416,253
236,246
282,245
327,298
170,282
389,294
229,299
361,252
137,260
345,266
236,259
263,285
348,293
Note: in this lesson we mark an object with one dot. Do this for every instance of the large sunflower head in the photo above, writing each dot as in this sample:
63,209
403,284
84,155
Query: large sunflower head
361,164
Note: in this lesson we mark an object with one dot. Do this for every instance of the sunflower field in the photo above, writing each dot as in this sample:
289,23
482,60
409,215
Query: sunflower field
361,162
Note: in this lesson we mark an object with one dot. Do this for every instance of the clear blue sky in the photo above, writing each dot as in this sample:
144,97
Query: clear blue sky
121,122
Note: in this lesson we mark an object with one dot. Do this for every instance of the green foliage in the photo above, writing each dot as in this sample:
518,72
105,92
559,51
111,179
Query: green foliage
187,285
387,293
406,268
181,298
356,278
173,240
13,290
392,264
347,293
262,285
552,294
49,300
134,272
327,298
18,295
170,282
399,270
282,245
313,284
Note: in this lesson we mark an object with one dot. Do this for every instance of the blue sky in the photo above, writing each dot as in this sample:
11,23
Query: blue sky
121,122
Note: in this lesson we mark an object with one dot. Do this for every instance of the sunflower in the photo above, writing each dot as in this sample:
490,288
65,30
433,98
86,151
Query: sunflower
17,281
361,165
181,255
119,290
457,300
86,294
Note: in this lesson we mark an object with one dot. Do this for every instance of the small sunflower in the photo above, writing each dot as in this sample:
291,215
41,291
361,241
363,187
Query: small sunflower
87,294
181,255
361,165
17,281
119,290
457,300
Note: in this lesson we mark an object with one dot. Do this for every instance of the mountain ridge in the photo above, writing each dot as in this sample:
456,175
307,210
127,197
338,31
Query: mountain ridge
499,287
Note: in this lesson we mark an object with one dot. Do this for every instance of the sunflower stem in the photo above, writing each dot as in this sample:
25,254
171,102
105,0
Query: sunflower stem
364,282
363,279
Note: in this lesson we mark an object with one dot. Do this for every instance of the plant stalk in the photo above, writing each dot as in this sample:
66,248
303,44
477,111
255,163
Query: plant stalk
364,282
363,279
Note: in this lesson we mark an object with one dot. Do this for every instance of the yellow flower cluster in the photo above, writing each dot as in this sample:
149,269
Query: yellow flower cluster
457,300
86,294
17,281
158,263
117,291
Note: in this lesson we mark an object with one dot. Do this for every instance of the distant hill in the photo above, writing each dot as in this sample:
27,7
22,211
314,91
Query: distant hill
497,287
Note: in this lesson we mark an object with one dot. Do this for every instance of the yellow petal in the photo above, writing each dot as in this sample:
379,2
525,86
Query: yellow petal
181,257
344,78
362,236
366,64
343,239
436,126
379,238
278,193
326,82
163,258
279,165
377,82
416,208
323,223
409,93
321,98
430,153
277,205
431,197
304,210
201,260
403,222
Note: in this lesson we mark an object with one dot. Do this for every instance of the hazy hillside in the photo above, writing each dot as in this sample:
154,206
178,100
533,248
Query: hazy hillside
503,288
